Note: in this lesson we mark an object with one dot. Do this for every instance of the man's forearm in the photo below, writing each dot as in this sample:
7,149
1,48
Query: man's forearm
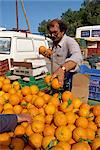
69,65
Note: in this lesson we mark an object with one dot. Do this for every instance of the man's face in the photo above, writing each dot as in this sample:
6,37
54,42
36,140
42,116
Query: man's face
55,32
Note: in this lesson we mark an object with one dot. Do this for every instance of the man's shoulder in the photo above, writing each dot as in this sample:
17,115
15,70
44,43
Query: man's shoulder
69,38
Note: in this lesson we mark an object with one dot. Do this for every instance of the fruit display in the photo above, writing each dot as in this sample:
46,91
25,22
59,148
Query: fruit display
58,123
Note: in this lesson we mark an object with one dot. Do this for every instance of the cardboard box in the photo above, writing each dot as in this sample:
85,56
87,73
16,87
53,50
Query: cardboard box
80,87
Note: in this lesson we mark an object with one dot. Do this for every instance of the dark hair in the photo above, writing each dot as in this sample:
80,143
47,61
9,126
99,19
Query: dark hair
62,25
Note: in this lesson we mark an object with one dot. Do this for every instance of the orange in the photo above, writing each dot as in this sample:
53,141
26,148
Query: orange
85,105
76,103
5,139
2,100
46,141
63,133
66,107
70,117
41,111
71,126
24,124
24,111
83,112
49,130
64,145
57,147
17,143
46,98
8,106
96,110
23,103
11,91
50,109
80,146
39,102
96,144
8,111
48,119
2,93
55,101
6,96
6,87
26,90
92,125
34,89
49,52
35,140
41,93
37,126
71,141
6,81
33,111
11,134
39,117
16,85
14,99
90,134
28,148
81,122
42,49
33,98
66,96
60,119
28,130
55,84
2,78
47,79
28,98
1,108
18,109
79,133
19,130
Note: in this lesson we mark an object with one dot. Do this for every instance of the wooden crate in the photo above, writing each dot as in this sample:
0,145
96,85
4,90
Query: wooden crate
4,67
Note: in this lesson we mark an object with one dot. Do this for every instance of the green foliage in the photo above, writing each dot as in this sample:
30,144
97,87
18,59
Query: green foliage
88,14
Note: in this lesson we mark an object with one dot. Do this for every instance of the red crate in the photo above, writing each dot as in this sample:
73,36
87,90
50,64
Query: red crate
4,66
92,51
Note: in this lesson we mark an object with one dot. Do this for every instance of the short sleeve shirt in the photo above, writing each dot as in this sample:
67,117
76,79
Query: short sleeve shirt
67,49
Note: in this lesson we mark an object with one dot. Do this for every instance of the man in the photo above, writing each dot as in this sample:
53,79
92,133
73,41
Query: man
8,122
66,56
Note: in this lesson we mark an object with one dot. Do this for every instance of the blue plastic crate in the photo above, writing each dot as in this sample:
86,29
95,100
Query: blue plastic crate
94,87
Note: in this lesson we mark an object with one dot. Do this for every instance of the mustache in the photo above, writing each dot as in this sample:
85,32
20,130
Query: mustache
52,37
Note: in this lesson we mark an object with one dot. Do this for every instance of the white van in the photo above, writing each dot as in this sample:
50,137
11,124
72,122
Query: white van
23,46
88,32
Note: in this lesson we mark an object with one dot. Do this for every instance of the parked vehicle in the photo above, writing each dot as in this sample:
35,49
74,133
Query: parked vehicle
23,46
86,32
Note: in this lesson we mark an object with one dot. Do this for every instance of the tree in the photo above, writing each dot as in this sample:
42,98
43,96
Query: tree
43,27
88,14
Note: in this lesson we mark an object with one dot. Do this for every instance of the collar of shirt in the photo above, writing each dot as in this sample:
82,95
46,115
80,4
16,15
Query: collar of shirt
60,44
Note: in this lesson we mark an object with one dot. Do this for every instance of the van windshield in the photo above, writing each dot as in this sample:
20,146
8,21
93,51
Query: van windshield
5,44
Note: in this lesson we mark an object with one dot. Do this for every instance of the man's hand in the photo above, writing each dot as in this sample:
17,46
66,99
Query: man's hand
24,117
59,73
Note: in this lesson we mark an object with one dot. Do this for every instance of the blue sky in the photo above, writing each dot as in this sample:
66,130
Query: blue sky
36,11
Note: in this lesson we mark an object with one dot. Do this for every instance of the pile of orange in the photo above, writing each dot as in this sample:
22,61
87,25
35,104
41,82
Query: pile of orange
66,124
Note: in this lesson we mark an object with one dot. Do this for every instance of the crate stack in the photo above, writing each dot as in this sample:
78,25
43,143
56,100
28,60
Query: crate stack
94,86
4,67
